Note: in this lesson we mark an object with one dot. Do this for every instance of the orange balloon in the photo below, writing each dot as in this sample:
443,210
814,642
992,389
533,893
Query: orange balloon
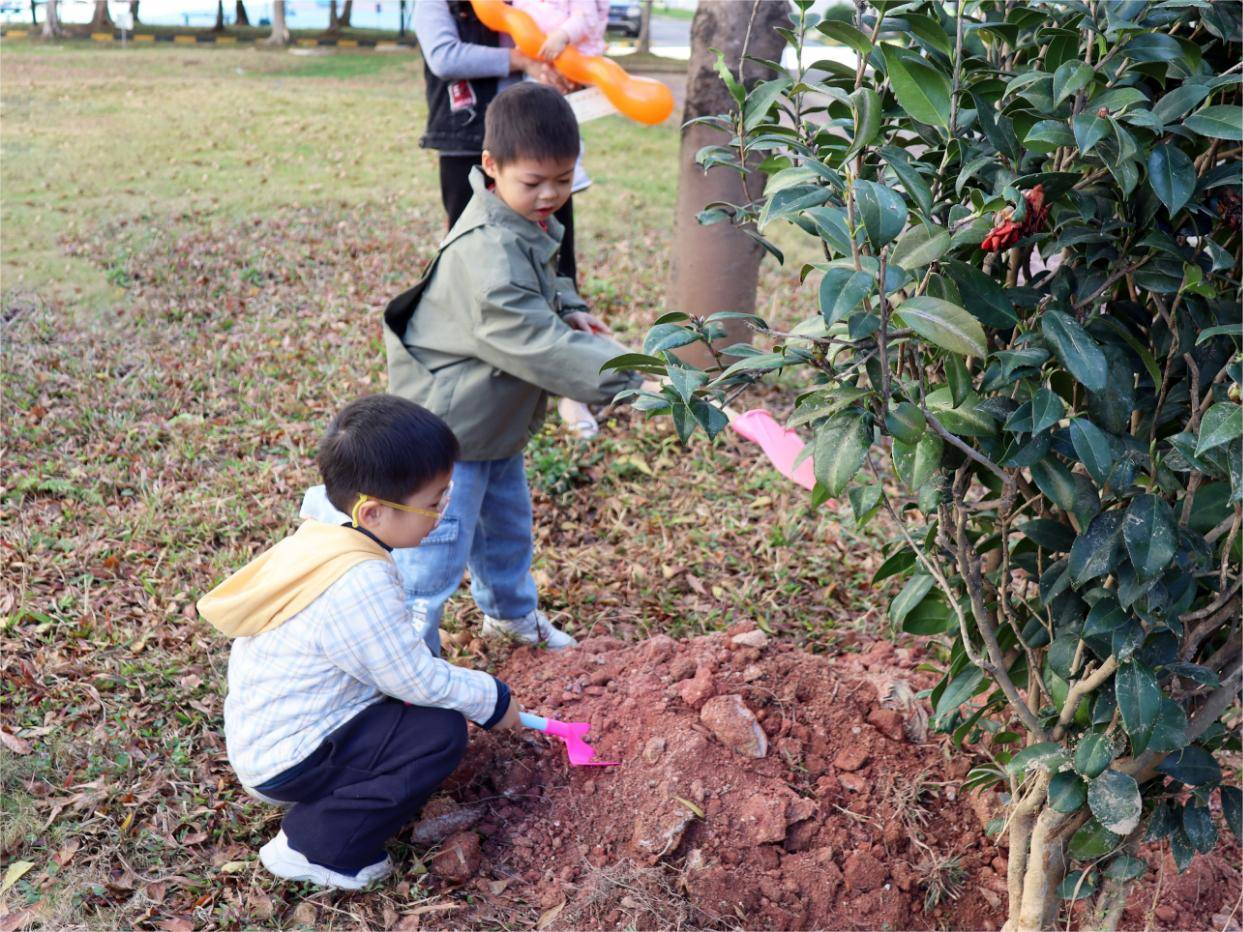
641,99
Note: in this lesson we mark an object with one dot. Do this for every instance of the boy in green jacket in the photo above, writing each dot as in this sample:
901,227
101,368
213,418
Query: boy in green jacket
482,340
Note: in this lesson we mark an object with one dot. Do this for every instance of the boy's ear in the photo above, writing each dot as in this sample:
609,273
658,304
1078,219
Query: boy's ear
369,513
489,164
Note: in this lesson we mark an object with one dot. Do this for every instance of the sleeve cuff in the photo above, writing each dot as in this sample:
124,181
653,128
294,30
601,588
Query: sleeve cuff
502,704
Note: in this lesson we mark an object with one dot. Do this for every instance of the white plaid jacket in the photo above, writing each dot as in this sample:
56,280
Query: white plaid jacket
290,687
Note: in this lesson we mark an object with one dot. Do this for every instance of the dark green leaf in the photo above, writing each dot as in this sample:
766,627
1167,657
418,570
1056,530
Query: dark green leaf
1153,47
846,35
1067,792
899,563
1232,809
1192,765
982,296
1198,824
1139,699
867,111
1222,423
929,31
840,448
1114,799
1180,847
1089,129
968,419
1077,885
944,324
915,463
1096,549
1172,176
929,617
1093,448
1094,753
1047,410
911,595
1092,841
1070,77
761,99
1220,122
1077,351
1150,533
914,183
864,501
882,210
958,377
1048,755
1124,867
1052,535
906,422
1178,101
920,246
668,336
960,689
922,91
841,291
1056,482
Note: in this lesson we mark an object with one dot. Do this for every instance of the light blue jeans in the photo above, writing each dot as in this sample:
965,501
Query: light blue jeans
487,527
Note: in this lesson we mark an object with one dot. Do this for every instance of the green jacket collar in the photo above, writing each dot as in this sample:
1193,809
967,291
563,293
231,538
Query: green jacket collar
486,209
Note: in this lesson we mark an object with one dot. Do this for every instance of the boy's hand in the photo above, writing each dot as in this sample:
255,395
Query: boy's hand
588,323
509,721
554,45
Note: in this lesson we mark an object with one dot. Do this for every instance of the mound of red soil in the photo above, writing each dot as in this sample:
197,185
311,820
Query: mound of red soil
760,785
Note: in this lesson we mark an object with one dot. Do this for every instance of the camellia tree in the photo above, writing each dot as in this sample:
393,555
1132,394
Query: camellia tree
1026,354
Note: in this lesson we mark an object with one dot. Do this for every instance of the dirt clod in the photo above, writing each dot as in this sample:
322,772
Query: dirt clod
863,872
458,859
851,758
735,725
699,689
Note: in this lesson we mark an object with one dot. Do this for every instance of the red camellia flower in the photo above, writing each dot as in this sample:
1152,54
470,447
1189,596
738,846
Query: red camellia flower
1006,232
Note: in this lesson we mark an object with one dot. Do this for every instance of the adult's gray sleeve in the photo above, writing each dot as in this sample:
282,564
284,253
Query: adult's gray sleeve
449,58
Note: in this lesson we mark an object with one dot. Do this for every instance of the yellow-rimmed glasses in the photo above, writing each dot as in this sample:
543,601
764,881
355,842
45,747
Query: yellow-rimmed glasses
438,513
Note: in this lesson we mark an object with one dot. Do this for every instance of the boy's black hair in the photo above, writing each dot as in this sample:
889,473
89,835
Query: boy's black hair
530,121
384,446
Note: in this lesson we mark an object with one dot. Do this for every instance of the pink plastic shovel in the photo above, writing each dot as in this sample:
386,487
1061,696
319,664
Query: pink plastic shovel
780,444
581,753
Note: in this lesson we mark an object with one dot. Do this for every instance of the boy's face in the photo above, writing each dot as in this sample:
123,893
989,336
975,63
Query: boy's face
534,188
401,529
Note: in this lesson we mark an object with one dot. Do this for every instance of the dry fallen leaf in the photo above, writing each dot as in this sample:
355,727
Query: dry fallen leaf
12,921
550,916
232,867
17,870
13,743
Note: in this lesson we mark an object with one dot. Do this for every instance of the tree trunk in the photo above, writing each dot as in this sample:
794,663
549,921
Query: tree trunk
239,14
133,13
280,32
34,12
333,25
219,27
347,10
715,268
102,21
645,29
51,19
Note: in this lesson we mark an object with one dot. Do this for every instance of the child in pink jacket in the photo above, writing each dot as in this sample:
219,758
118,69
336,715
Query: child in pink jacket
580,23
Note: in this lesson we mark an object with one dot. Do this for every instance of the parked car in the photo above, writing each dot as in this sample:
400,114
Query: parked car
626,17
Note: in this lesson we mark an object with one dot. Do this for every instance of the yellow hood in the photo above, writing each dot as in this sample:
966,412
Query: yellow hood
284,580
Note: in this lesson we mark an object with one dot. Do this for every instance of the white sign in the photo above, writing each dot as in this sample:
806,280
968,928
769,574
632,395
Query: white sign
589,104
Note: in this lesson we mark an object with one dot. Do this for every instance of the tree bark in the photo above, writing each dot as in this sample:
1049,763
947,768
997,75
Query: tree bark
103,19
715,268
645,29
332,16
133,12
240,18
280,32
219,27
51,19
347,10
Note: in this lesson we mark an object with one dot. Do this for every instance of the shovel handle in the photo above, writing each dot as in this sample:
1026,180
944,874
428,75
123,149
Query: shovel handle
533,721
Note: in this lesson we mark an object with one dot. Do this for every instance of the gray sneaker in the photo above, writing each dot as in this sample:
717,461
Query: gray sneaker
535,628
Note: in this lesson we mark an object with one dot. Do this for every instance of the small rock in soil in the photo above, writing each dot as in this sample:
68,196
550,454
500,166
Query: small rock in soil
735,725
653,749
458,859
851,758
889,723
699,689
863,872
754,638
658,833
762,820
681,668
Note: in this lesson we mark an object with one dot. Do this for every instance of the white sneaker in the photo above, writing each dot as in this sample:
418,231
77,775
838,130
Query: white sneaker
284,862
578,418
535,628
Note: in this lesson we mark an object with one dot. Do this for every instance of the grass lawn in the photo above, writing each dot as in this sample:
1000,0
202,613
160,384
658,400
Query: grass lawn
197,244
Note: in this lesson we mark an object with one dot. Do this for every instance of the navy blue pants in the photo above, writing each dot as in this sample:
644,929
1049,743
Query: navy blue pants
369,778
